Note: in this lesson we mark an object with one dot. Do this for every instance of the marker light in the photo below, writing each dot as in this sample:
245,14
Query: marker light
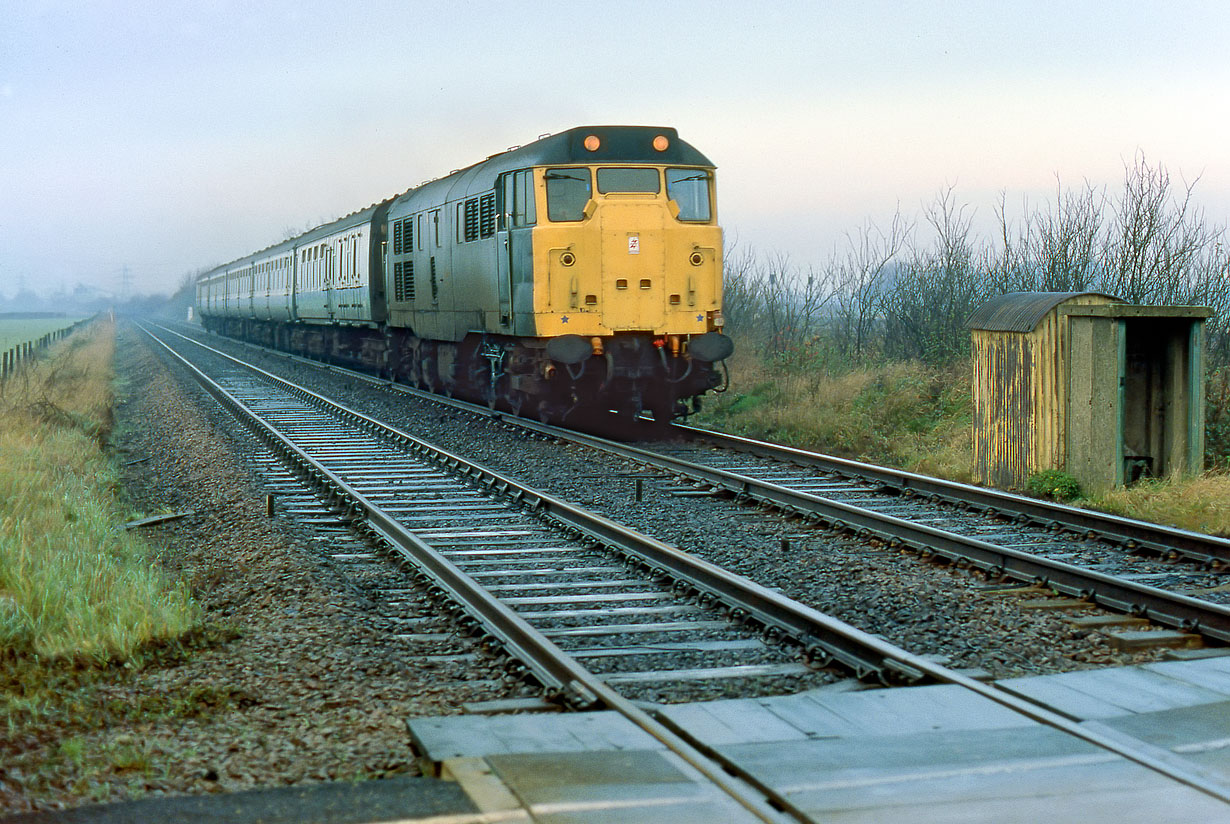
660,143
592,143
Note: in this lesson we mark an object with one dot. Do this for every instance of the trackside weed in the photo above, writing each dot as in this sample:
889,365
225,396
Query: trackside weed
73,583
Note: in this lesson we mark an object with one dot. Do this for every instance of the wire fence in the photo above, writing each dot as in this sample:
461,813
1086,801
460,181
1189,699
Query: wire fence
16,357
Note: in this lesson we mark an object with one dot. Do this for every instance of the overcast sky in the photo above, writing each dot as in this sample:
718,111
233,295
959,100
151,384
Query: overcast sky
167,136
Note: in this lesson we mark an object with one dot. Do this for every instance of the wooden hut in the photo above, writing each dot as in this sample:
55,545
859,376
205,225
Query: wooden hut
1082,382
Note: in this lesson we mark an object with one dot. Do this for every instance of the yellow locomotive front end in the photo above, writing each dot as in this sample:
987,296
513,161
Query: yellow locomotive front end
628,249
627,261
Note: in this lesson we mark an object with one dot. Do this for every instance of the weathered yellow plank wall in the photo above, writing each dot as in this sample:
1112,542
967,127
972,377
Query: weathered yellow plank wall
1020,399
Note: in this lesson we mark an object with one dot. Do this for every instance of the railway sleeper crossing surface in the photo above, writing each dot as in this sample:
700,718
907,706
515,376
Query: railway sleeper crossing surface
537,616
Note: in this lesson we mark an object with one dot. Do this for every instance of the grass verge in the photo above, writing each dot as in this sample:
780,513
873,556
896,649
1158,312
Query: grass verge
73,583
1200,504
902,414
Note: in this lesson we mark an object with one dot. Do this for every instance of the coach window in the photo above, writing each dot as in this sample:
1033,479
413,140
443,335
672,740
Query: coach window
641,180
567,193
690,189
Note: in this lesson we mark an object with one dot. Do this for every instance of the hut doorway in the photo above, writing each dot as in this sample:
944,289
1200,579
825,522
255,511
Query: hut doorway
1156,397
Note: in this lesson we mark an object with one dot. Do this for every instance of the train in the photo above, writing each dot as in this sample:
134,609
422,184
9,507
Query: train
578,274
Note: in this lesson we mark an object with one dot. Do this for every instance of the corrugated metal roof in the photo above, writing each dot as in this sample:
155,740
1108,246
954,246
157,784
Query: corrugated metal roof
1020,311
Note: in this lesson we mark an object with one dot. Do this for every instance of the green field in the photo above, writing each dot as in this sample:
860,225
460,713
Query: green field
20,330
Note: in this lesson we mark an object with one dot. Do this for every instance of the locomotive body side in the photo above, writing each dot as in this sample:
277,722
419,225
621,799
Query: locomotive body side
517,251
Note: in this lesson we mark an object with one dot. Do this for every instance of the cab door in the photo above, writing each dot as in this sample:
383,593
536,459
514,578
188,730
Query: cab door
514,251
506,197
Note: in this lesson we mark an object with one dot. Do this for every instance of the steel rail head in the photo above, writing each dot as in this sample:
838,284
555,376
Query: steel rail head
823,636
1162,606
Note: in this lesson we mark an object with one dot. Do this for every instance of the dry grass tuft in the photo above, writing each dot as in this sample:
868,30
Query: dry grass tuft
1200,504
904,413
73,583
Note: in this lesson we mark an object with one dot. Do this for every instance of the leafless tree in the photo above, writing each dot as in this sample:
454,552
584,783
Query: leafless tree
861,278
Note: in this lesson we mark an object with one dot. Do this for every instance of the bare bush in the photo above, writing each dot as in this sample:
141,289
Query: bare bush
861,277
936,290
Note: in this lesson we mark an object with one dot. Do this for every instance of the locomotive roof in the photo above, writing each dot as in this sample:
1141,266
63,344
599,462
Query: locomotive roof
617,144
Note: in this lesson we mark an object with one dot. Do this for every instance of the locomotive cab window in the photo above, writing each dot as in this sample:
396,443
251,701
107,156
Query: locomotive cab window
634,180
567,193
690,189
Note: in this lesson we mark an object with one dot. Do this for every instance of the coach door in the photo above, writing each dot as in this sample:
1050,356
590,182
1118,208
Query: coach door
328,261
517,215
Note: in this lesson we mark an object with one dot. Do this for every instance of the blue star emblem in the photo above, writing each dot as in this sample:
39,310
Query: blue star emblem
700,317
563,319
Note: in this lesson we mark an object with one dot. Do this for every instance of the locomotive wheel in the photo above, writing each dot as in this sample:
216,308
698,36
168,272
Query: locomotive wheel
663,410
427,375
516,400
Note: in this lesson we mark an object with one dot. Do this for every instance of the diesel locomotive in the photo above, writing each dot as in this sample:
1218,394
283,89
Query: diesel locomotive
578,273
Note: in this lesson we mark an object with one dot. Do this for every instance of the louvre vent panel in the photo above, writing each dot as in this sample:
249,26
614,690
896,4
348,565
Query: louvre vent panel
487,215
403,281
471,220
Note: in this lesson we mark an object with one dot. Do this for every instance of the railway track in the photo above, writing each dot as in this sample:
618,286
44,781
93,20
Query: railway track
1098,566
459,524
1171,577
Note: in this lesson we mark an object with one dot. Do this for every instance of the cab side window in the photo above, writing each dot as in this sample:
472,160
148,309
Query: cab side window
568,190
